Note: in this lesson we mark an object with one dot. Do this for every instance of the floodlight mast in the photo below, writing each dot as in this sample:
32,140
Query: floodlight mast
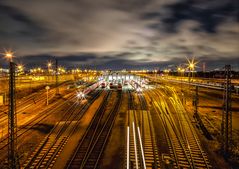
13,162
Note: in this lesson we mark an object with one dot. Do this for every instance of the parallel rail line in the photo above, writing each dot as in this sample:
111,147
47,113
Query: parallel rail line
149,138
142,150
49,149
22,130
184,145
92,144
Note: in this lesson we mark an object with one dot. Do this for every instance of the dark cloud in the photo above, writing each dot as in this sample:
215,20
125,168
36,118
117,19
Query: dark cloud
118,34
69,60
15,25
208,14
151,15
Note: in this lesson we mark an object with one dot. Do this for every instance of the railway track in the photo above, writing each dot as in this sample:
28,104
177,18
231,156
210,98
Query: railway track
39,102
26,103
49,149
33,102
142,150
184,146
92,144
132,152
22,130
28,128
149,139
198,156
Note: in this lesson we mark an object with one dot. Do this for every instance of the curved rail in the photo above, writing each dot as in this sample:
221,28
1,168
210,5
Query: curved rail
181,137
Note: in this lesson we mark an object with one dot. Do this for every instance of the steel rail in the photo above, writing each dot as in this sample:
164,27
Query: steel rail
90,132
102,138
68,119
176,132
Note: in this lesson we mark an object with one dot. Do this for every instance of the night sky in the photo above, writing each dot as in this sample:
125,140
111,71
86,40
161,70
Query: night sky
119,34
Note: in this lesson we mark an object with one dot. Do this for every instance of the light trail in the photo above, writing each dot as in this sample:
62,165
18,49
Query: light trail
135,148
128,147
142,151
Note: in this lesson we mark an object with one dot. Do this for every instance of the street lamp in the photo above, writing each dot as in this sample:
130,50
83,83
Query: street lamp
179,70
182,74
12,118
20,68
191,66
49,64
9,55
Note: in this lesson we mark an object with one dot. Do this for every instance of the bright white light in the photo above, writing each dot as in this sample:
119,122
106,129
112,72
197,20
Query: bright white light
80,95
142,150
139,89
9,55
135,148
128,147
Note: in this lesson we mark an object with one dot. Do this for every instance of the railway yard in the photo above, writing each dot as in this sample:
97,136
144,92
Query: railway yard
116,128
119,84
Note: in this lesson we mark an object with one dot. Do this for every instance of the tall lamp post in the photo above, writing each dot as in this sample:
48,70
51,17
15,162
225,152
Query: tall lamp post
181,73
191,66
57,74
49,64
12,119
191,69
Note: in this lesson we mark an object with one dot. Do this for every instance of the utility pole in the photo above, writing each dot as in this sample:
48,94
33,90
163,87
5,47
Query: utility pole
56,70
226,126
12,120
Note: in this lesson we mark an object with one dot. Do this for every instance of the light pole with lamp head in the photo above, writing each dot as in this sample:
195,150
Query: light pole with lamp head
12,118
